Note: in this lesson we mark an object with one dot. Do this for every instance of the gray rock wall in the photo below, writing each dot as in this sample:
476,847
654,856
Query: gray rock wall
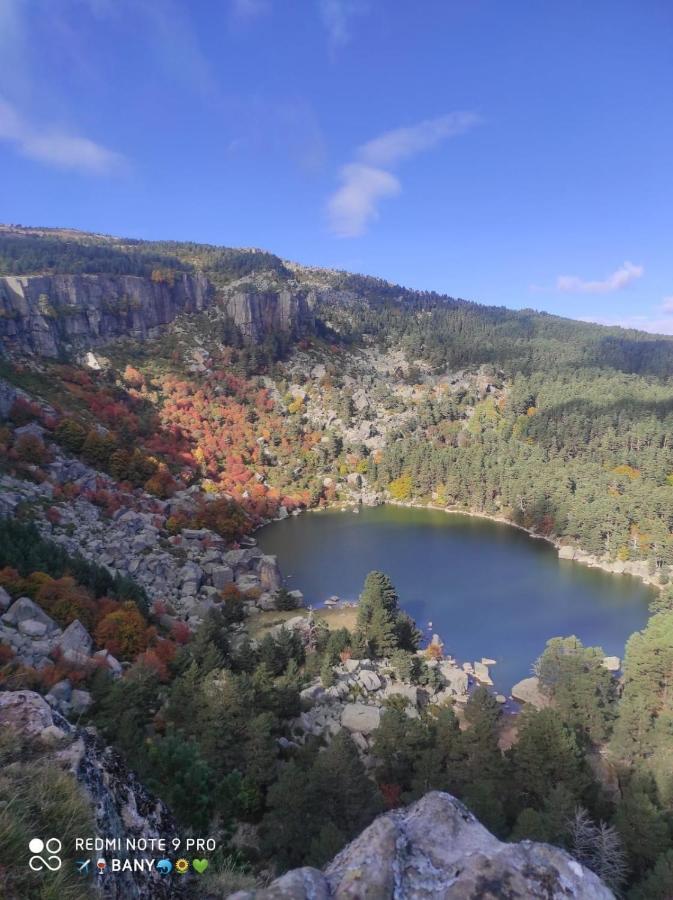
44,314
261,313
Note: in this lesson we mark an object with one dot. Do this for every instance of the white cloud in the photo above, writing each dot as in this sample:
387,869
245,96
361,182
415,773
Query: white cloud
337,15
367,180
354,205
56,148
667,305
620,278
401,143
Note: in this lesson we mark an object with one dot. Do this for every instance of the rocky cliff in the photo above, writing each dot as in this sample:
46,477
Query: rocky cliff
47,314
260,313
437,850
51,314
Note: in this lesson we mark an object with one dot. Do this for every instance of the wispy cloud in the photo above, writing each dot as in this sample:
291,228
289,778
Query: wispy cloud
399,144
56,148
337,16
619,279
367,180
354,205
667,305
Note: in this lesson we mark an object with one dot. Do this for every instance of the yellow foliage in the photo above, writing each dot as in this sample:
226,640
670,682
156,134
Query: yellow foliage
296,405
400,488
530,412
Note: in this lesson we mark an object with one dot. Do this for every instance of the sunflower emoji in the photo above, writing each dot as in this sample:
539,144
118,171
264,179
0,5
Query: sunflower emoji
181,866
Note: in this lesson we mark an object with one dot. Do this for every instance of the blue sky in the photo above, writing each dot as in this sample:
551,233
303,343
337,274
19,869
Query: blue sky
512,153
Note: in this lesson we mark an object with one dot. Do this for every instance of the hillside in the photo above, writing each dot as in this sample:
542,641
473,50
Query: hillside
159,401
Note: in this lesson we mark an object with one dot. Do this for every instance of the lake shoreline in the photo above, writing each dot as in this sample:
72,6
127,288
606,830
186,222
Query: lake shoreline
372,538
565,551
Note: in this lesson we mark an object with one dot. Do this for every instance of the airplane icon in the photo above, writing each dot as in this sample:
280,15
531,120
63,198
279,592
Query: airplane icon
83,866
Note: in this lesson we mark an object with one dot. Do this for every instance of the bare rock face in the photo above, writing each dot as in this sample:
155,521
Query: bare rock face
437,850
43,314
260,313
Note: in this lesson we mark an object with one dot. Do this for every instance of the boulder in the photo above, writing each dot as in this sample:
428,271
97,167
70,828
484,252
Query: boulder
222,576
32,628
5,600
482,674
75,643
361,718
23,609
370,681
528,691
612,663
269,573
25,713
434,849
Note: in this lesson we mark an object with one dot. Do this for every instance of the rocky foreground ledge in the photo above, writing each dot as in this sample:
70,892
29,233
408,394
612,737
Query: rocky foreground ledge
437,849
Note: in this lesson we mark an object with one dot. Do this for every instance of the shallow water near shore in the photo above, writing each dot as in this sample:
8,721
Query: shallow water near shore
489,589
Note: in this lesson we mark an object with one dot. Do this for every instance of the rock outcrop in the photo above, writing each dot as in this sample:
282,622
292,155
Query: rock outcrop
121,806
258,314
437,850
47,314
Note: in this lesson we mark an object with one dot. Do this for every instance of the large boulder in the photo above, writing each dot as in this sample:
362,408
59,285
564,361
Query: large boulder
370,681
528,691
361,718
24,609
437,850
75,643
269,573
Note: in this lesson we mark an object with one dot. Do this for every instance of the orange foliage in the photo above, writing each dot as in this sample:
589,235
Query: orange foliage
123,632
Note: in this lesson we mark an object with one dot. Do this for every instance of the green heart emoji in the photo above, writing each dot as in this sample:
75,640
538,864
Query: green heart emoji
200,865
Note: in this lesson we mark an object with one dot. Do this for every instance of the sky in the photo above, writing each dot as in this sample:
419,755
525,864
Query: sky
517,154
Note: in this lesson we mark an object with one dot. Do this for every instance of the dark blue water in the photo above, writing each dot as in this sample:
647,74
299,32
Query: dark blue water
489,589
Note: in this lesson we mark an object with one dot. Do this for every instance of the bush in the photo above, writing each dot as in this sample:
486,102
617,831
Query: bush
123,632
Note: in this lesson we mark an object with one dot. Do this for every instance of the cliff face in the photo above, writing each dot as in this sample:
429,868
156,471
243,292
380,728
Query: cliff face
437,849
261,313
46,314
49,314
